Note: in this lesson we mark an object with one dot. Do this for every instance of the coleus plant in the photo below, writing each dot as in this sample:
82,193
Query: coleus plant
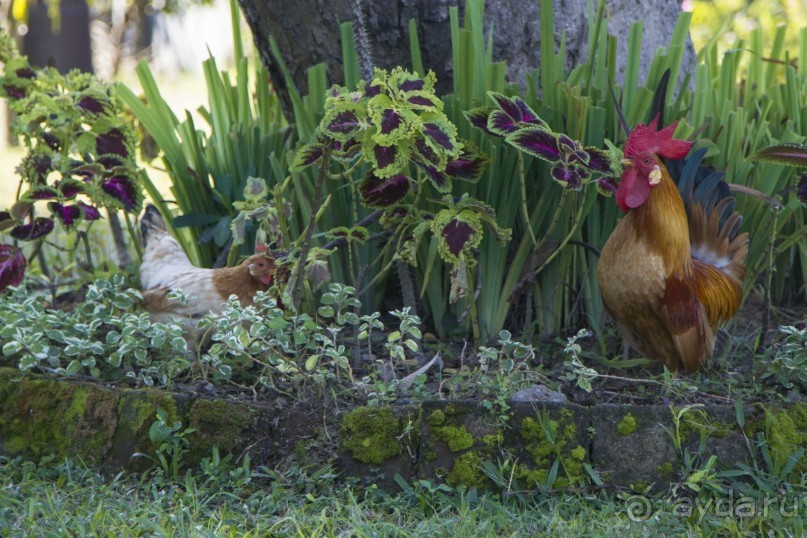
570,164
81,154
396,124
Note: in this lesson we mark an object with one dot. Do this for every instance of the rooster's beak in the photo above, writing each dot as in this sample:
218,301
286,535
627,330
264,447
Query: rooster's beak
627,162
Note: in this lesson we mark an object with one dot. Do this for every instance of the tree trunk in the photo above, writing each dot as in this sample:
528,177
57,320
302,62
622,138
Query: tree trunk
307,32
66,47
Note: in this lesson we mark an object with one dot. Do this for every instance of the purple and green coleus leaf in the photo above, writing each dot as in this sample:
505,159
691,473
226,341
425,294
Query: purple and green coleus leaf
392,124
468,166
356,234
38,227
478,117
343,121
459,228
510,115
439,134
124,192
307,155
801,189
12,266
570,163
787,154
383,192
387,161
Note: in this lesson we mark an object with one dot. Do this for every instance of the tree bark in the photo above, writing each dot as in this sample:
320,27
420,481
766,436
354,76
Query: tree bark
65,48
307,32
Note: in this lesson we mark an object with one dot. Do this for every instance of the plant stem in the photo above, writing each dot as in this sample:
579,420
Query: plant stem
524,211
306,246
472,308
120,243
766,312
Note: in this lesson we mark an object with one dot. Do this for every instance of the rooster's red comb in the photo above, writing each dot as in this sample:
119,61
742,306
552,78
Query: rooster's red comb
646,139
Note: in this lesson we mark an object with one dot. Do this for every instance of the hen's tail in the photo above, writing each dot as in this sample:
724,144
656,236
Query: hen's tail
151,224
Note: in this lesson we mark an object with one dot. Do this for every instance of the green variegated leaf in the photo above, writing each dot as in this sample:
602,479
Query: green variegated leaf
256,189
387,161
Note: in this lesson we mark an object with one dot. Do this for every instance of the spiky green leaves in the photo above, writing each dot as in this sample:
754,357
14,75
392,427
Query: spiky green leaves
513,120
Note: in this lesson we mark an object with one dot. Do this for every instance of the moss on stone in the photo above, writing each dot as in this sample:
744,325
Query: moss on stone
43,416
467,471
698,422
665,470
785,431
543,452
371,434
627,425
457,438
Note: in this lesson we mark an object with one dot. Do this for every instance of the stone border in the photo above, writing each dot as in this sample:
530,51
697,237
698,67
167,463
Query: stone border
627,446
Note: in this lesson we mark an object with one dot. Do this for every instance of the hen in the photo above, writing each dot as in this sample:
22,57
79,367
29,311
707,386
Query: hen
671,272
165,268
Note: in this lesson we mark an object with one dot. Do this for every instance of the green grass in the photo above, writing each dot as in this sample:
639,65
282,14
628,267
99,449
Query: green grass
67,499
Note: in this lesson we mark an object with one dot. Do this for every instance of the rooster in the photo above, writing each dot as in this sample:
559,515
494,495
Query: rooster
671,272
165,268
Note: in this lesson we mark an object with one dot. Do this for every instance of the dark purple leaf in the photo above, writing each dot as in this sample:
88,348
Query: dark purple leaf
90,212
384,155
568,177
25,72
440,180
51,141
390,120
12,266
537,142
469,165
433,131
111,143
413,85
527,115
69,189
508,106
36,167
372,91
421,101
13,91
91,105
429,156
122,189
502,123
607,185
344,123
598,160
456,234
566,141
41,226
308,155
478,117
67,214
801,189
381,193
109,162
5,220
43,193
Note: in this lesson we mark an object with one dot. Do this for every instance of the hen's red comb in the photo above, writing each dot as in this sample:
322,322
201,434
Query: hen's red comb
260,248
646,139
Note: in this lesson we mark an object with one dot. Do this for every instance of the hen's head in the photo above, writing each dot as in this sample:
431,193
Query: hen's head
261,266
642,152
